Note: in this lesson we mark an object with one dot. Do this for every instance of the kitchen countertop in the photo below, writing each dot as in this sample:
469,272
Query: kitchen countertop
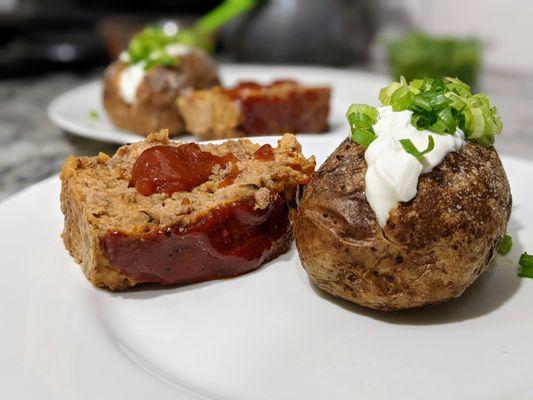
32,148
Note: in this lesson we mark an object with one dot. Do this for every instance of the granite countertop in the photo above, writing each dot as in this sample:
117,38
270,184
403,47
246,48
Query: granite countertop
32,148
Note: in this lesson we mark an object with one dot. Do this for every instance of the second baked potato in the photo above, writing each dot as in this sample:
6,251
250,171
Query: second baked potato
154,106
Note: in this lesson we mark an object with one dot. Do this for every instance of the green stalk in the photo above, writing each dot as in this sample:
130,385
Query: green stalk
226,11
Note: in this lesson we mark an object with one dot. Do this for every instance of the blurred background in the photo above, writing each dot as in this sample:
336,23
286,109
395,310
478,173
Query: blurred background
80,34
49,46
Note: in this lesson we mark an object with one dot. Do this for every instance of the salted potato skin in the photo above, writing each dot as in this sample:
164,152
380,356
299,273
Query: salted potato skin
431,248
155,107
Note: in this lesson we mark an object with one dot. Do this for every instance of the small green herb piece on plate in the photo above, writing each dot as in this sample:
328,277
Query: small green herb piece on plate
526,266
505,245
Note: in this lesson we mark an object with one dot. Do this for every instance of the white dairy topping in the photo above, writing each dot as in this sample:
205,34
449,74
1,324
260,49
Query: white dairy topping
124,57
392,173
176,50
129,80
132,76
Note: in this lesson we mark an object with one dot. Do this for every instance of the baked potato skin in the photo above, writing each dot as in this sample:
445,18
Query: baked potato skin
432,247
155,107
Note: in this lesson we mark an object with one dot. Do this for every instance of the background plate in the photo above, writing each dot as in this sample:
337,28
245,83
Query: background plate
71,110
266,335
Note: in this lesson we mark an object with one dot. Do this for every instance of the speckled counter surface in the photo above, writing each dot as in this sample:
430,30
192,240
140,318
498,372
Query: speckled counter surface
32,148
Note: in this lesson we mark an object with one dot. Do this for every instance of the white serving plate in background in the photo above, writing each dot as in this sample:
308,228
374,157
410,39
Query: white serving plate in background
71,111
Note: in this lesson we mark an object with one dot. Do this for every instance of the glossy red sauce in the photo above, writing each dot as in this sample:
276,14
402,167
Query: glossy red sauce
228,180
237,90
268,109
228,242
241,86
169,169
264,153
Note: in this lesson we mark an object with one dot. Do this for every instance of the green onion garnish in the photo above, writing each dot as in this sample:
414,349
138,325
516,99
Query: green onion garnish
369,111
93,114
526,266
409,147
443,105
505,245
361,118
149,46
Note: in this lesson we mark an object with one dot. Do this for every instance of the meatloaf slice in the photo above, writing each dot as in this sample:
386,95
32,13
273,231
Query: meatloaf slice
253,109
230,224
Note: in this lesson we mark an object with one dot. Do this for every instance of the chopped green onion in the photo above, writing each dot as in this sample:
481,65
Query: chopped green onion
402,98
385,94
443,105
93,114
505,245
361,118
421,102
409,147
526,266
371,112
149,43
160,58
149,46
481,121
458,86
363,136
445,122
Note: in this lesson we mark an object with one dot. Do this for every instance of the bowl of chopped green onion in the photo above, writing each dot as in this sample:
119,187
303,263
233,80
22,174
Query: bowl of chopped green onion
418,55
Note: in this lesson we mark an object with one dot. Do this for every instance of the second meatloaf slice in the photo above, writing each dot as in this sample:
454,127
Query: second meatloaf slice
253,109
231,223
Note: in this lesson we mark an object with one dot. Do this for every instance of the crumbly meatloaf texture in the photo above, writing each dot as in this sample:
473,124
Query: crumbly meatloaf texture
253,109
155,107
96,197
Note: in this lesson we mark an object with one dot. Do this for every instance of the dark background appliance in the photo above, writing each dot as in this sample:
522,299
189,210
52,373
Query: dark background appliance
37,36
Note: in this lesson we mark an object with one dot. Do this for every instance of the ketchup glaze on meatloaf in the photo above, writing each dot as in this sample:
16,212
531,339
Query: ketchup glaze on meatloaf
148,222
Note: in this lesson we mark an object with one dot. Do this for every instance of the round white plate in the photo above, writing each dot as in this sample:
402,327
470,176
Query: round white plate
72,110
265,335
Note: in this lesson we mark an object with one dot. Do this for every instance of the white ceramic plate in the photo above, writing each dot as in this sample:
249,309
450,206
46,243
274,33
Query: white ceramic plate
266,335
71,111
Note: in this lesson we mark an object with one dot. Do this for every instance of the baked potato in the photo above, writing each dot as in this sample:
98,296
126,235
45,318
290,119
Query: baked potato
154,107
430,249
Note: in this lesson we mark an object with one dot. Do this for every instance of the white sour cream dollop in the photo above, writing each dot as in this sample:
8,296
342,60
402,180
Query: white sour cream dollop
131,77
129,80
176,50
392,173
